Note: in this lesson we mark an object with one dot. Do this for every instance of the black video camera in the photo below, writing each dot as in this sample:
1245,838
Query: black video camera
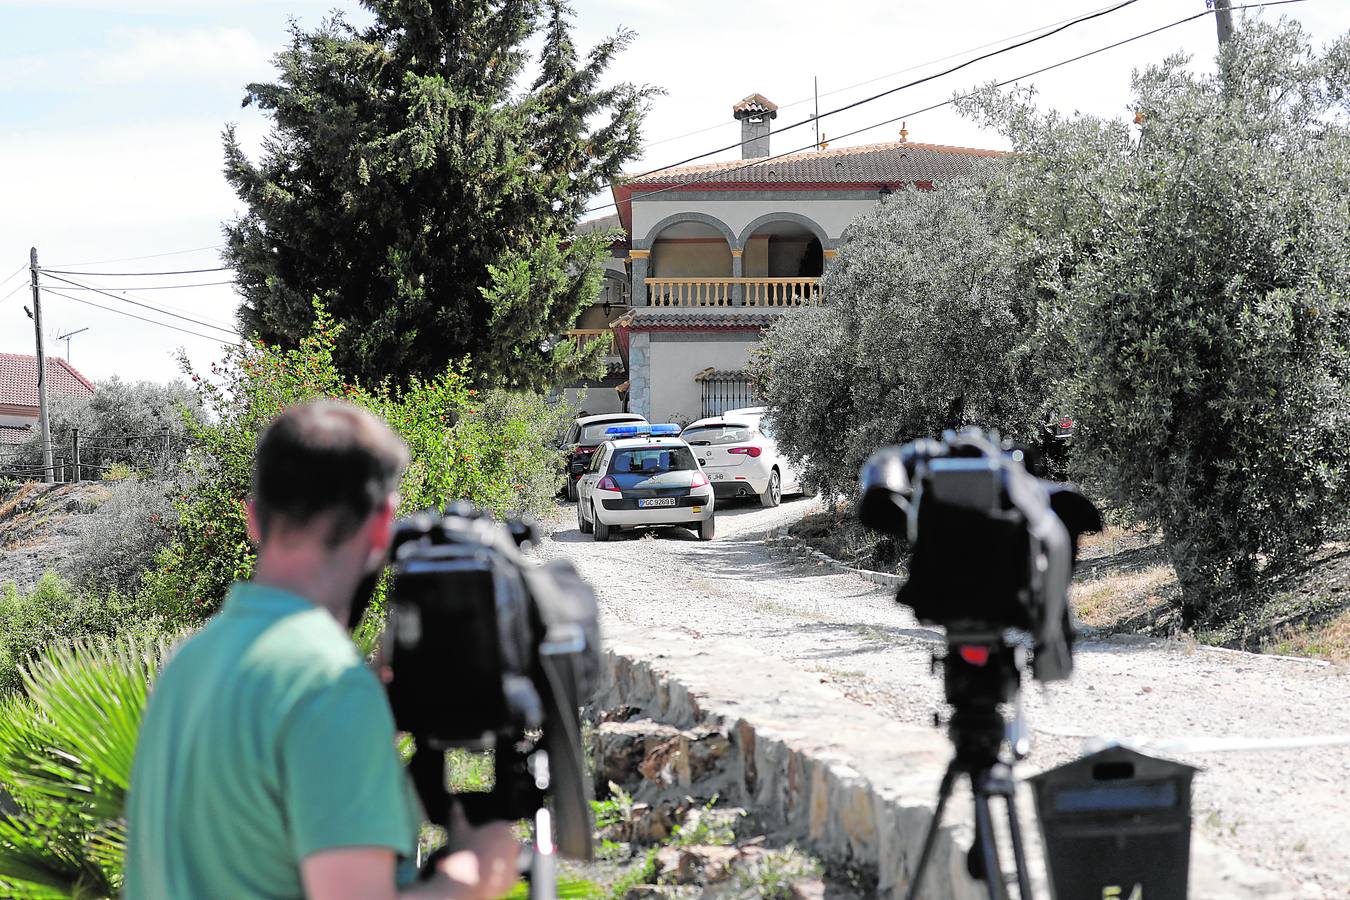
993,546
491,652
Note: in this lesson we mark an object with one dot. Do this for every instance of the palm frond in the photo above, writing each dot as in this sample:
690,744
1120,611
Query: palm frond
66,752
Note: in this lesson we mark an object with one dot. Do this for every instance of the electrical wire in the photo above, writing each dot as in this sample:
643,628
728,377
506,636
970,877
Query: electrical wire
713,176
100,262
134,316
12,274
157,309
166,308
848,87
909,84
18,287
159,287
139,274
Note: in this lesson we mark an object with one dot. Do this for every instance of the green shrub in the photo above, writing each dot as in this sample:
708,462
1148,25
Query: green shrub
54,613
66,752
922,330
492,448
121,428
119,540
1196,274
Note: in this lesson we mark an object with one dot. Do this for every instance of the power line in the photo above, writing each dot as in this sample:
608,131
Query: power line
134,316
874,80
164,312
918,81
12,274
99,262
157,287
140,274
122,293
18,287
713,176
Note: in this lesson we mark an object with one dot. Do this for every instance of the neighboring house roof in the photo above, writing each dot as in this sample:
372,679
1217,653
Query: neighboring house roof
14,434
900,162
18,380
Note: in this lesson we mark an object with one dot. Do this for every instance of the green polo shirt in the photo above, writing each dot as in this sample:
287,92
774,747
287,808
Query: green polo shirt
266,739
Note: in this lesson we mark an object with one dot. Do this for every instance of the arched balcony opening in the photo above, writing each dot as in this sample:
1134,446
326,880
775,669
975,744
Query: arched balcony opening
690,265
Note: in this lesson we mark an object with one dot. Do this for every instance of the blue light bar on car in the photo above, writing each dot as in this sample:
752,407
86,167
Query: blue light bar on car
623,431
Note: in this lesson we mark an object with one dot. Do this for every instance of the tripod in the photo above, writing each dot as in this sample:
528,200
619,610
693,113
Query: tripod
977,731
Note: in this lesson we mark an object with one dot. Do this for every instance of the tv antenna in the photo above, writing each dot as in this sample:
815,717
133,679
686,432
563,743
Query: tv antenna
66,337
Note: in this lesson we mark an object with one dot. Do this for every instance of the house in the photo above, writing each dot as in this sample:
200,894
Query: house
716,252
19,392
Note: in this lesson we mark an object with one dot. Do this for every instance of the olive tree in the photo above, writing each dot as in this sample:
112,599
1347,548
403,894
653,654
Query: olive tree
1193,267
922,329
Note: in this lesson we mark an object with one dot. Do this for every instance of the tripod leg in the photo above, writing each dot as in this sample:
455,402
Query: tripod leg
930,839
1019,851
987,843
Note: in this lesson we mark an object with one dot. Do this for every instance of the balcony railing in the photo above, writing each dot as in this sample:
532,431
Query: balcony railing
582,335
760,292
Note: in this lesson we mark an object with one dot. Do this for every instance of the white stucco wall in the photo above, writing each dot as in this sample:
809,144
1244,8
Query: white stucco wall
832,215
675,358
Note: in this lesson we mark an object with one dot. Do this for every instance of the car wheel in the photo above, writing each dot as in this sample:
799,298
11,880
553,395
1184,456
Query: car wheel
773,494
707,528
582,525
600,529
572,490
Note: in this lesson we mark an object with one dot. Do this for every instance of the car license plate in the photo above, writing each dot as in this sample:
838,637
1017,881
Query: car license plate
716,476
656,501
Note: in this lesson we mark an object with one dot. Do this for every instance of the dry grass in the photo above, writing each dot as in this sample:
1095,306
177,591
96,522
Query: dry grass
24,491
1329,641
1112,599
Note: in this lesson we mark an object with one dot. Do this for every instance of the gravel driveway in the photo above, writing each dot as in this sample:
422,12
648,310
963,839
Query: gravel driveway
1282,809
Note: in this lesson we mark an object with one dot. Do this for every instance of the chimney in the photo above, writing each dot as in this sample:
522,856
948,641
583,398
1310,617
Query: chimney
756,113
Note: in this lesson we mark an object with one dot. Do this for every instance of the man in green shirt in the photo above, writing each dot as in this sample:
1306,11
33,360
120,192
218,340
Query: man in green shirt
267,765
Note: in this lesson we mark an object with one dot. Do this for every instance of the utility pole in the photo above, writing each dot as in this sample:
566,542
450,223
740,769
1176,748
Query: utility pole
44,424
1223,19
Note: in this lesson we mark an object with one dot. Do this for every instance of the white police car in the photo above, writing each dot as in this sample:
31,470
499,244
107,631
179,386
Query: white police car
644,476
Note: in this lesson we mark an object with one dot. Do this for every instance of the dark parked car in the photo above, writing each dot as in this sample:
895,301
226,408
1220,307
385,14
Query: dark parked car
586,434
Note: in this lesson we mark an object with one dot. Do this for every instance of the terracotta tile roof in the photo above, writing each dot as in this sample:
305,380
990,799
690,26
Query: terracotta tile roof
14,434
736,318
897,162
18,380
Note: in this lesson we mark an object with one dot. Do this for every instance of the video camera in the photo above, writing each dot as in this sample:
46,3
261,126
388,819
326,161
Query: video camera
993,545
993,551
491,652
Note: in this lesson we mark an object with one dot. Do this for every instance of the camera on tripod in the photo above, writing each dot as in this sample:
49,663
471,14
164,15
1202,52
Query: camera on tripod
993,549
490,652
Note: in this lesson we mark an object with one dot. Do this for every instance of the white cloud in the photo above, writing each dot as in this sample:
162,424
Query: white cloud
172,55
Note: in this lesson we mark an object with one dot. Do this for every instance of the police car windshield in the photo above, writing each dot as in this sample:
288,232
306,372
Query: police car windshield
652,460
595,434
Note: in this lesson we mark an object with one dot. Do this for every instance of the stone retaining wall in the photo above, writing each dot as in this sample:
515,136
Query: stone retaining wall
699,716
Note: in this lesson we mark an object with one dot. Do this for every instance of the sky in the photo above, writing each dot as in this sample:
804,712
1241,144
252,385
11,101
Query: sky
111,116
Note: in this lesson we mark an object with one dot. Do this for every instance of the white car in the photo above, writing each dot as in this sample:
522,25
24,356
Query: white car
740,458
644,476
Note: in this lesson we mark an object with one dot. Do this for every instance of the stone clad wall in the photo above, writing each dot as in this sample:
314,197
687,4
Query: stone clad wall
701,717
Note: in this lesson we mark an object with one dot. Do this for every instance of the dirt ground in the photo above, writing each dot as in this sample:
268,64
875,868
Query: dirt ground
1124,584
1271,733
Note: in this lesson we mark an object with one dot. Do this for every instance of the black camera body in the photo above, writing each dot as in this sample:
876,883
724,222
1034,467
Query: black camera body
993,545
489,651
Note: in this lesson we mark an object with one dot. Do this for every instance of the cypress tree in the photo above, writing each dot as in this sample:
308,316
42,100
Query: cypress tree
428,196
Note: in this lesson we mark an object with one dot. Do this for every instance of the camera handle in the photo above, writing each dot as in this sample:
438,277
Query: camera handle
538,859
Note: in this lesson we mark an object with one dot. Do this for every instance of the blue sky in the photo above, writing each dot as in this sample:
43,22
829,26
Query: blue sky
111,114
